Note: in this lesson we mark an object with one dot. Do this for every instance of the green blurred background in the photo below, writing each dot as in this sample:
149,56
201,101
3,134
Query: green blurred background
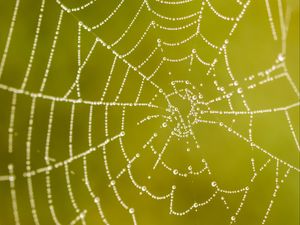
251,50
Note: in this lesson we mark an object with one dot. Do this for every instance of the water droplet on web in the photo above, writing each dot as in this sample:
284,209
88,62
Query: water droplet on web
131,210
280,58
97,199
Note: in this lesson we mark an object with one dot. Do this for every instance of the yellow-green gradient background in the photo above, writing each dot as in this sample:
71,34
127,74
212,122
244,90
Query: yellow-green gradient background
251,49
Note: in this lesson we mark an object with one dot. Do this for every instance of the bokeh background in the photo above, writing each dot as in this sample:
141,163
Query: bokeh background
251,50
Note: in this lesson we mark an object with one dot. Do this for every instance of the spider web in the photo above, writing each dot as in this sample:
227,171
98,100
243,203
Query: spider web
138,116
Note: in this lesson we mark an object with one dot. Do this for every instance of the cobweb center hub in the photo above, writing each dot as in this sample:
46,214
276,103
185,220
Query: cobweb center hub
184,110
